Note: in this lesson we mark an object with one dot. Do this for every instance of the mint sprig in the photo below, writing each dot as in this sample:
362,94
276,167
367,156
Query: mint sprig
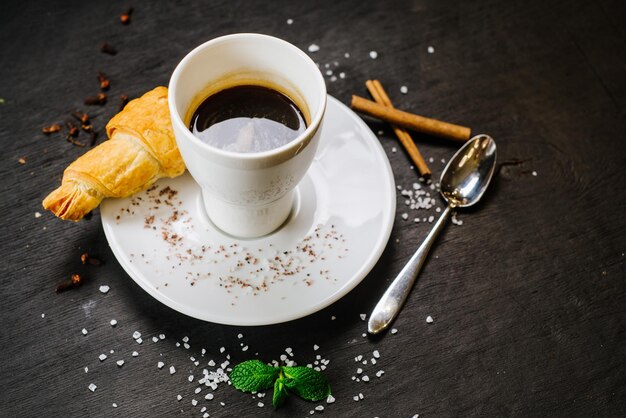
307,383
254,375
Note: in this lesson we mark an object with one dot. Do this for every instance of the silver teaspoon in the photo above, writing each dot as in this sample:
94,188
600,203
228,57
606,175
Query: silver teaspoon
463,182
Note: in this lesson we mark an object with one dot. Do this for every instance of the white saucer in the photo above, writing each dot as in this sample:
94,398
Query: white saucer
339,227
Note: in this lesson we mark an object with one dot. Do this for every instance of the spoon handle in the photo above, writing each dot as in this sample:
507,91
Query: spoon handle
390,304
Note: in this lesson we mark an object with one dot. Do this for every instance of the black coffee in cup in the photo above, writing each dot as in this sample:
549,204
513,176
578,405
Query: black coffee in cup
247,118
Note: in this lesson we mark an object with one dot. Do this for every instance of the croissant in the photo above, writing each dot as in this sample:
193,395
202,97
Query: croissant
141,150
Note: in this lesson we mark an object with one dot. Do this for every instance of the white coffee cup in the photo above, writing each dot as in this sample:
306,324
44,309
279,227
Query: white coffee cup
247,194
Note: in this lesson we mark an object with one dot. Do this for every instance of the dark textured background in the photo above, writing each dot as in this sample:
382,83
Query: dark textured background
528,296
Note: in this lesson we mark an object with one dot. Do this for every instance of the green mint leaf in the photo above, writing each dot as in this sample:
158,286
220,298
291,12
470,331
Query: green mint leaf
253,375
280,393
306,383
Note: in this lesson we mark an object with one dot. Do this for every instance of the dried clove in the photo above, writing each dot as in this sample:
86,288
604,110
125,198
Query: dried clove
72,283
94,139
73,133
123,102
125,17
73,130
81,117
108,49
100,99
85,258
75,142
51,129
104,82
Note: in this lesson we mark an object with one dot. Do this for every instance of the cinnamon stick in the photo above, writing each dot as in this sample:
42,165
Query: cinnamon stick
377,91
411,121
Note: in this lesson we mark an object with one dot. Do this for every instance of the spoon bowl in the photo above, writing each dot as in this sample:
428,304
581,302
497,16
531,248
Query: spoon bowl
462,184
467,175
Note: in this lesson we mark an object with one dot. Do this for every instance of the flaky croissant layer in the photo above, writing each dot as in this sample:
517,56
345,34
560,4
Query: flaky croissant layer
141,150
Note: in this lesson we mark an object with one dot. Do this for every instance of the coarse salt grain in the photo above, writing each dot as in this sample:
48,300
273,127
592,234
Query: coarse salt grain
361,396
155,339
429,319
289,21
136,335
356,398
160,364
376,354
43,315
365,378
209,396
172,370
190,378
135,354
114,405
222,349
347,55
380,373
316,347
37,215
535,173
102,357
185,339
260,404
113,322
178,397
431,50
394,149
363,316
86,369
194,402
373,55
342,75
104,288
405,216
120,363
240,336
139,340
198,390
404,89
244,348
161,336
314,48
92,387
319,408
84,331
330,399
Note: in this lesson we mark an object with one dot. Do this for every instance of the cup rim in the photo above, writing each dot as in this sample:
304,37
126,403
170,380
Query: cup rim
295,143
